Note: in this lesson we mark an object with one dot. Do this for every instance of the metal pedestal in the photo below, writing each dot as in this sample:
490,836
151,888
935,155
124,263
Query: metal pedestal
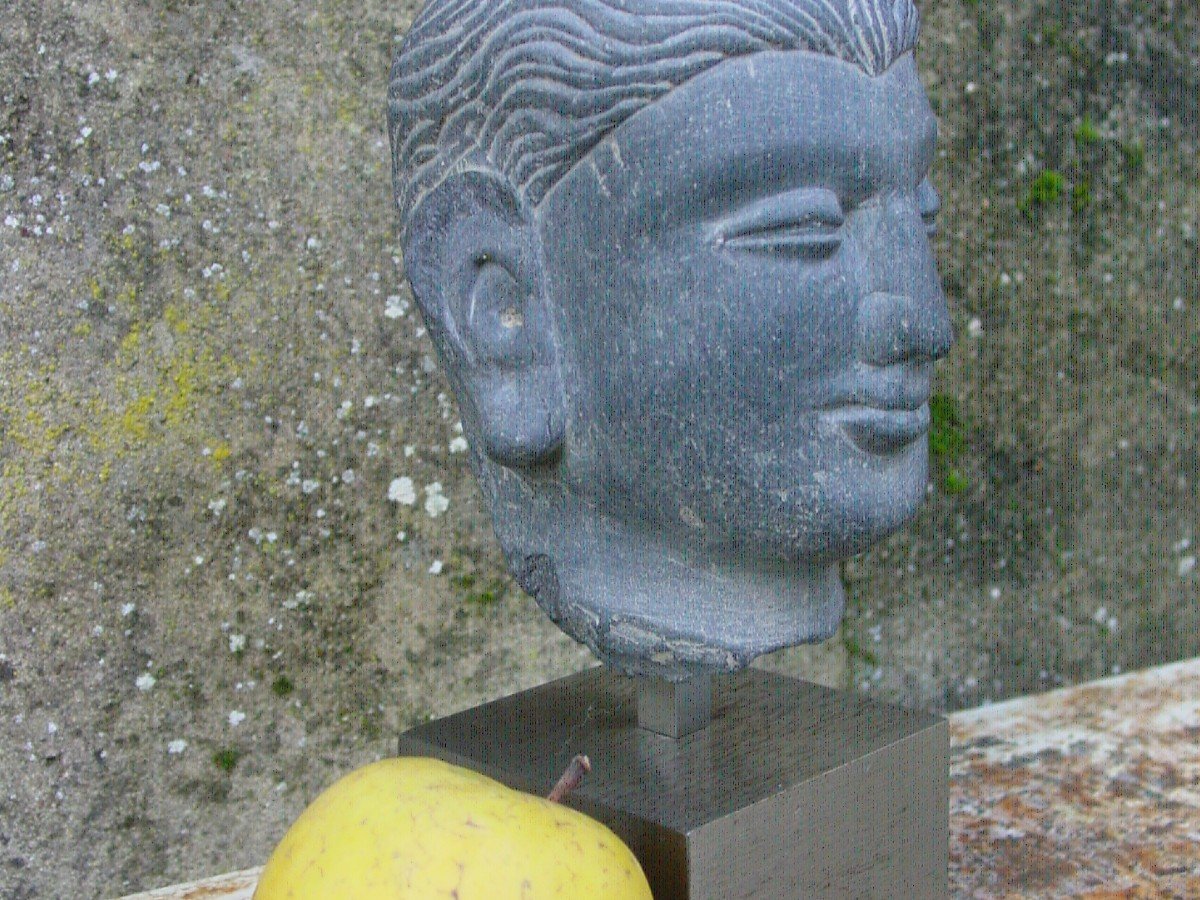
792,791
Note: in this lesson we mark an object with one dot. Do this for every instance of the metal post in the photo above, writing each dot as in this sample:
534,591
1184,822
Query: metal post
674,709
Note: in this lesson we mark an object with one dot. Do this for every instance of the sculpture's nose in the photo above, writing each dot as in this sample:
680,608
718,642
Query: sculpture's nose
905,318
896,329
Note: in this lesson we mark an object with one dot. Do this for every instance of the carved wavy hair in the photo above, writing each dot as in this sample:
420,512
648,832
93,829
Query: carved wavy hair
528,87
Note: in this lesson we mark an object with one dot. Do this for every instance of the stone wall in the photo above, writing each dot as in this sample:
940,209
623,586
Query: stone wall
240,546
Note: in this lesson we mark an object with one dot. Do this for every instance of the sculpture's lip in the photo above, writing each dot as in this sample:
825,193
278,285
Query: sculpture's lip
894,388
882,430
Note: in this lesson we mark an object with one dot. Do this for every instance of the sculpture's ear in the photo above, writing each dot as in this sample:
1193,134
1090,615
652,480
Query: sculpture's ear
472,255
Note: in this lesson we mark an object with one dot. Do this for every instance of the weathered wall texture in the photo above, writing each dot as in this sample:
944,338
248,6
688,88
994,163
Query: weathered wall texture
239,547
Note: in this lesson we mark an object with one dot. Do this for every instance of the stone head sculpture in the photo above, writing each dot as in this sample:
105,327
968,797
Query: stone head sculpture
675,257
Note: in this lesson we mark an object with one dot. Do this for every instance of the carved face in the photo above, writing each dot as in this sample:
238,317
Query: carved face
748,311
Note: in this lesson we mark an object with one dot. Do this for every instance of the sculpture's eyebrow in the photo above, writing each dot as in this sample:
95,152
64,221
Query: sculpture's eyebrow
850,171
899,158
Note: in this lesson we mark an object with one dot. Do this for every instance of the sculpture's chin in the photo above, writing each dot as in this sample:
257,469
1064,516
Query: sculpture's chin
843,519
885,500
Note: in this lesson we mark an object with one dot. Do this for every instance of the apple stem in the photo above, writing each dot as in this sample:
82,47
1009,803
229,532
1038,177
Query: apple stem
571,778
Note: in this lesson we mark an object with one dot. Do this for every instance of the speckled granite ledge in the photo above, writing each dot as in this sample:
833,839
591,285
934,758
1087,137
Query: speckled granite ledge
1089,792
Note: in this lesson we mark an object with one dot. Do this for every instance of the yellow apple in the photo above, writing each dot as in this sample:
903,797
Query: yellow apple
413,829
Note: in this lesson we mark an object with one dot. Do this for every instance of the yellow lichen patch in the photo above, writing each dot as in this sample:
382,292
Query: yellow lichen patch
127,297
175,319
180,380
29,410
129,346
135,419
37,417
154,392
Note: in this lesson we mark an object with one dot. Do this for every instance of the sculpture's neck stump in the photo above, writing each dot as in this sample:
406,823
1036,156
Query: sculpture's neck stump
647,608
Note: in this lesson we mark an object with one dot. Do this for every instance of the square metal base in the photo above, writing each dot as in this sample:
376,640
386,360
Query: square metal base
794,790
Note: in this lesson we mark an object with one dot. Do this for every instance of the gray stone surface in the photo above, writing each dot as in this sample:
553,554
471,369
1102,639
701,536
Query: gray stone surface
684,288
1070,498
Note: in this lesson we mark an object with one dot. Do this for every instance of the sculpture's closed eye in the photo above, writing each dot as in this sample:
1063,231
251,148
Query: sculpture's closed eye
805,223
812,238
